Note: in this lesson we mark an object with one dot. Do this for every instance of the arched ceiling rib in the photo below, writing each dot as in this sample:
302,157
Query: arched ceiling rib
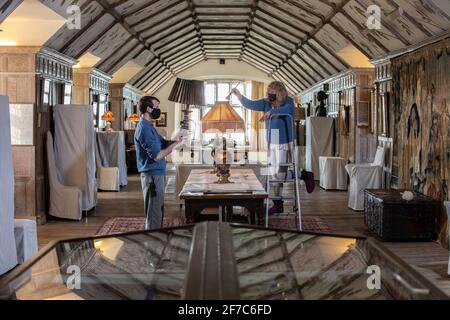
296,41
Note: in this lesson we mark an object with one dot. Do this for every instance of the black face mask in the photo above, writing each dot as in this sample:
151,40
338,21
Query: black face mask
155,114
272,97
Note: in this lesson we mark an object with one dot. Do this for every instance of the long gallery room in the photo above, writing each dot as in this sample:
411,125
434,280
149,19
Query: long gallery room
224,150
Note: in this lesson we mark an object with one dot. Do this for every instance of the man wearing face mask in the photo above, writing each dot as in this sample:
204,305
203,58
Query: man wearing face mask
277,102
151,150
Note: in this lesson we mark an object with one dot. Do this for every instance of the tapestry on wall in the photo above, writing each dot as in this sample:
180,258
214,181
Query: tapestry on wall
422,110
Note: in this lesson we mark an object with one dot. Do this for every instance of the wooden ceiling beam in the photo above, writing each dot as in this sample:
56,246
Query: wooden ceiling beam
318,53
189,64
290,14
83,50
162,20
303,70
181,25
260,45
330,52
281,28
282,45
179,47
349,39
285,22
267,54
131,31
255,64
190,56
155,14
169,47
249,25
297,75
319,73
197,25
360,30
319,27
68,43
279,35
388,27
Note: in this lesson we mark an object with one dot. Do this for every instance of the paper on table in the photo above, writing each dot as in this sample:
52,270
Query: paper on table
218,188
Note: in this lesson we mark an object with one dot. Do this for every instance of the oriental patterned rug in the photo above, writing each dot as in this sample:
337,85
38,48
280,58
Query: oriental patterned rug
129,224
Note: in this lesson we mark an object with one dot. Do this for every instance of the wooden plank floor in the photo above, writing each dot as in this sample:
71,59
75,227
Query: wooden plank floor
331,206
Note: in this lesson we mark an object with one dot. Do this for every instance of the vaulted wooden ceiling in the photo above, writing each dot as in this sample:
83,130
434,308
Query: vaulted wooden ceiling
295,41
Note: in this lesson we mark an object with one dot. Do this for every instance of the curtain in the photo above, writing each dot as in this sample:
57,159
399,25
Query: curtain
257,142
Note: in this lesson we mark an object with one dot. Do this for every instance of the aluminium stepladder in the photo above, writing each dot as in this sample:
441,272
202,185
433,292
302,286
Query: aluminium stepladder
293,165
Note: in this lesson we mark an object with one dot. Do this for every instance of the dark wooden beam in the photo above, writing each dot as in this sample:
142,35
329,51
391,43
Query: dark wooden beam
319,73
82,50
319,27
263,62
298,75
148,86
189,43
270,55
266,48
352,41
318,53
222,14
103,61
249,25
161,22
411,19
130,30
157,13
81,32
170,46
302,70
280,44
190,54
180,26
281,28
331,53
388,27
252,62
289,82
283,21
279,35
197,25
148,74
360,29
290,14
173,38
189,65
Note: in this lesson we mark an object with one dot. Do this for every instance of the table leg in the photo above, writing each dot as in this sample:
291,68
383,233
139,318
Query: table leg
259,210
192,212
229,214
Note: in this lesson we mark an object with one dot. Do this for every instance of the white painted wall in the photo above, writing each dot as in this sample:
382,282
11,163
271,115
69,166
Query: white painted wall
206,70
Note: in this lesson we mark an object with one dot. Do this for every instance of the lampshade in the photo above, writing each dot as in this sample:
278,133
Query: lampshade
108,116
222,117
190,92
133,118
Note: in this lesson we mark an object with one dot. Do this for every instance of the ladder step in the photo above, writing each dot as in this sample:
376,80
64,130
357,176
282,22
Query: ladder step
275,165
281,180
281,198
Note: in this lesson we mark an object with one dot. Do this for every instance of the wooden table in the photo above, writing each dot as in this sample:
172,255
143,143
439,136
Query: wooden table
201,191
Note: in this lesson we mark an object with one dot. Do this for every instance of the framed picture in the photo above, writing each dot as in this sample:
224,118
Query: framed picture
162,121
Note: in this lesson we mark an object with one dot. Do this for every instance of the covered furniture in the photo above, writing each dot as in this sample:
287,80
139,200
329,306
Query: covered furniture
447,207
25,233
107,177
364,176
65,201
332,173
319,142
392,218
75,151
111,152
8,252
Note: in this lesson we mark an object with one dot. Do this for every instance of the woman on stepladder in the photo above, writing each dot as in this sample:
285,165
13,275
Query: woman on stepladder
281,144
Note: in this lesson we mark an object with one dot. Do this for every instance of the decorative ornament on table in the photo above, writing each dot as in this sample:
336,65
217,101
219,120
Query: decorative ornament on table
407,195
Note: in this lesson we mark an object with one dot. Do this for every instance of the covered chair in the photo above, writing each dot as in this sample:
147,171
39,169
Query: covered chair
8,253
107,177
65,202
364,176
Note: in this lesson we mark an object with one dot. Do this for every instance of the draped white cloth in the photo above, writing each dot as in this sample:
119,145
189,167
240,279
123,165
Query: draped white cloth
8,253
364,176
111,151
75,150
25,232
319,142
65,202
332,173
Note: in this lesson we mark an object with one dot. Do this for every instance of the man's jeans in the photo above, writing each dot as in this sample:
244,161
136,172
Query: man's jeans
153,190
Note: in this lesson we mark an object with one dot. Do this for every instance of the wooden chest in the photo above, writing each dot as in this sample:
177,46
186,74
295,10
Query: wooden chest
391,218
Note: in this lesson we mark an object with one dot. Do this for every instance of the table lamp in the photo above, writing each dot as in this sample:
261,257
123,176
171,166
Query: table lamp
134,118
221,118
108,116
